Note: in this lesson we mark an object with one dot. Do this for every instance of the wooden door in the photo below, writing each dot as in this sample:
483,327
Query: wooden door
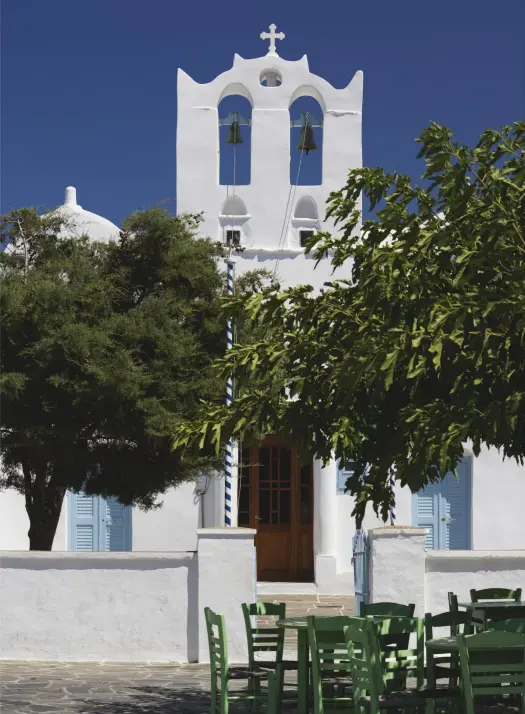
276,499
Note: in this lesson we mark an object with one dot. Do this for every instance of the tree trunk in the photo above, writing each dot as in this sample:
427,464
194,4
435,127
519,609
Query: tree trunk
42,530
43,505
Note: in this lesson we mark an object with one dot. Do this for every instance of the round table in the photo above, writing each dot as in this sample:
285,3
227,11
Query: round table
300,624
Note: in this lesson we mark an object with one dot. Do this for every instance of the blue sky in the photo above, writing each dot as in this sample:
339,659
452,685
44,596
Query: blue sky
89,86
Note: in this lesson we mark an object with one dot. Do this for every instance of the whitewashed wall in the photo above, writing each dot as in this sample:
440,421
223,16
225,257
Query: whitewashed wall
125,606
172,527
460,571
401,570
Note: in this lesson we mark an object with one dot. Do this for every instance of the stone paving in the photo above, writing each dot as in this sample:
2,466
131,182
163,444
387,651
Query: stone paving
128,688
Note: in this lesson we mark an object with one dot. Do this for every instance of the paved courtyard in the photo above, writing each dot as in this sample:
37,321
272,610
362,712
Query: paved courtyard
129,688
102,688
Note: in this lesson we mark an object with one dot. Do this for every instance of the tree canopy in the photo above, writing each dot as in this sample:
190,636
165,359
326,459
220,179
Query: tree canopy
105,348
421,350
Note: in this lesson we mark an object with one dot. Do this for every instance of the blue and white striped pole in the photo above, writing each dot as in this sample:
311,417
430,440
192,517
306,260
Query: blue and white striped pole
393,501
228,459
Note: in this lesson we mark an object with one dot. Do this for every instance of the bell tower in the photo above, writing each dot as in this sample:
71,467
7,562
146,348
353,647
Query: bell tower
269,213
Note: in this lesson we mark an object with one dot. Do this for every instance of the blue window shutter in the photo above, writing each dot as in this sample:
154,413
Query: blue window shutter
425,513
455,508
343,472
445,509
115,525
83,522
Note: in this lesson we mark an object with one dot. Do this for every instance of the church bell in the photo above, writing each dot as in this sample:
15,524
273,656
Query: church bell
306,138
234,136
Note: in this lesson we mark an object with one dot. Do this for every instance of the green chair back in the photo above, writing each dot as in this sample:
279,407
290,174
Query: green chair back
453,604
365,664
217,643
331,675
495,594
264,639
401,659
509,625
452,620
492,665
386,609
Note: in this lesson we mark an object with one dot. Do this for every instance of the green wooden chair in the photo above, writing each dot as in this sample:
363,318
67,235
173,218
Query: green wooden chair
495,594
447,665
369,686
399,659
386,609
222,674
492,670
453,604
509,625
331,679
267,640
479,617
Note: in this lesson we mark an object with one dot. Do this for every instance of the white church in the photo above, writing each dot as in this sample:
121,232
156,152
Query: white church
302,515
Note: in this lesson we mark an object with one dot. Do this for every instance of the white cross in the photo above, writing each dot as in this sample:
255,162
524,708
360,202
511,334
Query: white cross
272,36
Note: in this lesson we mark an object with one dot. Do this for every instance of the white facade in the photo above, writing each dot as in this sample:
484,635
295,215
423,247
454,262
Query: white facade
269,213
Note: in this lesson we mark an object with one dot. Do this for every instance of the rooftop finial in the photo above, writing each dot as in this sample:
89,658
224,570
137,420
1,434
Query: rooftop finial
71,196
272,36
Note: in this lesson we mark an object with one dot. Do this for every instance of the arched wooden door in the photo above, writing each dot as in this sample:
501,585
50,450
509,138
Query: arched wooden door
276,498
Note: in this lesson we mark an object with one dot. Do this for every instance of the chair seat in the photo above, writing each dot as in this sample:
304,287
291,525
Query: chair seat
247,673
272,664
396,700
344,680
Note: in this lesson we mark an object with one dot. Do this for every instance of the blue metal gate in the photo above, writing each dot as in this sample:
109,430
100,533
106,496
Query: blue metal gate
360,560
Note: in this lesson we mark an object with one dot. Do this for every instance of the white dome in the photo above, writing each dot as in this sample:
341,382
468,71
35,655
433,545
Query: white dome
81,222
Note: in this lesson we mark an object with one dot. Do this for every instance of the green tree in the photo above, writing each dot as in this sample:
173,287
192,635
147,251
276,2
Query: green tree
422,349
104,349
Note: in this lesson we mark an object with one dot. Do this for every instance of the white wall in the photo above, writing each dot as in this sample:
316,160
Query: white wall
498,500
460,571
14,523
402,571
173,526
98,606
126,606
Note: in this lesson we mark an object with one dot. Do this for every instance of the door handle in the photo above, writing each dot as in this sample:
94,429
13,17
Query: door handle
258,518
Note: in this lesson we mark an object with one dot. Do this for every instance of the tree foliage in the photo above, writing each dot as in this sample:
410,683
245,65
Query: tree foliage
105,348
422,348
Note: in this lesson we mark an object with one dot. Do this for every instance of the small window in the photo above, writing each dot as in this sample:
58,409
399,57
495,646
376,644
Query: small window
304,237
233,238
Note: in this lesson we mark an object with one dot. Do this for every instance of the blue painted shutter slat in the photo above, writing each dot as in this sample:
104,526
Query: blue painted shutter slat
426,506
115,525
84,522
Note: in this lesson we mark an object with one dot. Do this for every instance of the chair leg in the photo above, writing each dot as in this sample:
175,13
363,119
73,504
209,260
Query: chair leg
257,694
224,700
213,709
279,683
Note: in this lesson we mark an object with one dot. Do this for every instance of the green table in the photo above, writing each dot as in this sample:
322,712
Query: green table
495,606
303,659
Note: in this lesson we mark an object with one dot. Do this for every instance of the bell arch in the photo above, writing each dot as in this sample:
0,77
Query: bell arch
235,136
306,208
234,206
306,137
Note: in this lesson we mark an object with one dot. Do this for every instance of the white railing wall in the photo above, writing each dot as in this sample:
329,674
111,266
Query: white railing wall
401,570
125,606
